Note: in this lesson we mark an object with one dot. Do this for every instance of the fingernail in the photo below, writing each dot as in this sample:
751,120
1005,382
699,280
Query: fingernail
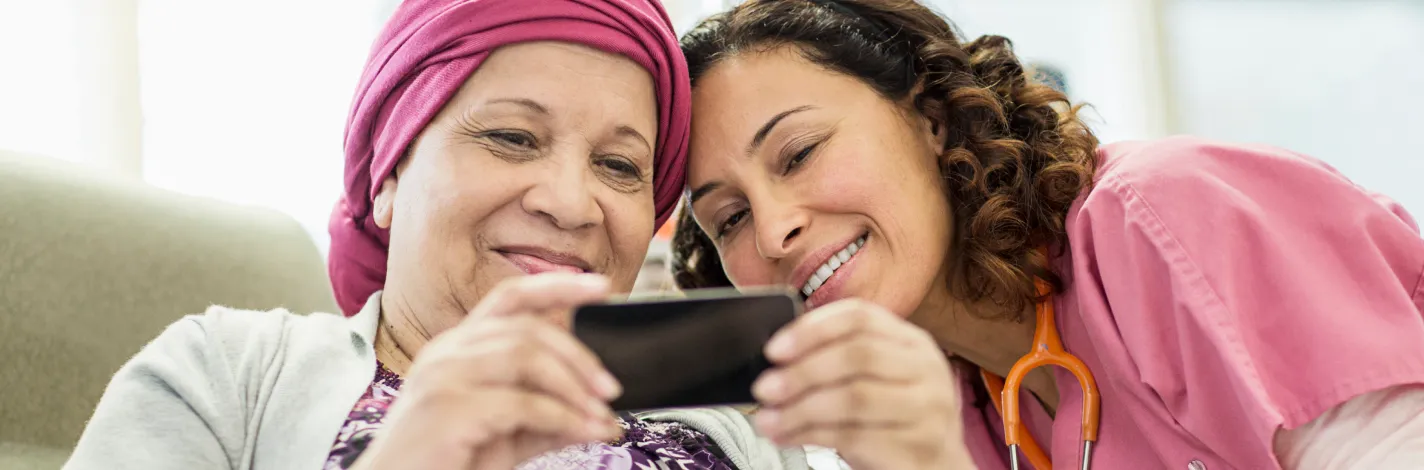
768,387
608,386
779,347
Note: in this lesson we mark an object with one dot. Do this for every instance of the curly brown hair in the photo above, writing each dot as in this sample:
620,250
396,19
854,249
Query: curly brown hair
1016,154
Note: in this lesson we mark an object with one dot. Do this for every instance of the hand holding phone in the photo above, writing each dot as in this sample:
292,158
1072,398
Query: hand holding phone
700,350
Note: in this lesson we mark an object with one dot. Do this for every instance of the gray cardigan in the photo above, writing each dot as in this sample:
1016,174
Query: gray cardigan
235,389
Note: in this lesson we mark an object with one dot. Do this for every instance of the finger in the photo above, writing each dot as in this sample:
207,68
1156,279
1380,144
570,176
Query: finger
828,324
502,412
855,357
549,291
575,357
526,363
580,360
855,403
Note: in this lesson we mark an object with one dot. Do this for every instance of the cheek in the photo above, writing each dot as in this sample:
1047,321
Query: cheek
897,184
744,266
450,201
628,219
847,184
461,199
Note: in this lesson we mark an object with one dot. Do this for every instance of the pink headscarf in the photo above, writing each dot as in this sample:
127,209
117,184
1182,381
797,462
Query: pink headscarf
427,51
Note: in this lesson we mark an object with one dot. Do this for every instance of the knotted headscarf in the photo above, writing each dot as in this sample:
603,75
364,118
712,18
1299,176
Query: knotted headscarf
427,51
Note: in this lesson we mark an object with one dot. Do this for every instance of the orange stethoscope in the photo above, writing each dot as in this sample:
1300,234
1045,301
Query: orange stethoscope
1047,351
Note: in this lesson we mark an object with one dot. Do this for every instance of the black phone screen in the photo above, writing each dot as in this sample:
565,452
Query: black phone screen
705,349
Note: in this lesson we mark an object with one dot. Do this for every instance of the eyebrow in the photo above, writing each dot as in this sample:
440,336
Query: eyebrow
765,130
757,140
703,190
629,131
525,102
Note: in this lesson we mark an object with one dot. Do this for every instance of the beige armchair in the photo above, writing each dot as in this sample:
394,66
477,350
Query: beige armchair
92,267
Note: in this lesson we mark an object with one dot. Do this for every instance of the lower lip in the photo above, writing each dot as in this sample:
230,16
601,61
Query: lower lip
536,265
834,286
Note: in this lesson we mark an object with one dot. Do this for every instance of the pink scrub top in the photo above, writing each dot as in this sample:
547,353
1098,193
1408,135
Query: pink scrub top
1221,292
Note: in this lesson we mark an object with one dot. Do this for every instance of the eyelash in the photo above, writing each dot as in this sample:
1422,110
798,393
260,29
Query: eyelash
622,166
514,139
796,159
729,223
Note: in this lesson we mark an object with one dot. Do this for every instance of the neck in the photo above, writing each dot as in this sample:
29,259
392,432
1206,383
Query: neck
976,332
399,337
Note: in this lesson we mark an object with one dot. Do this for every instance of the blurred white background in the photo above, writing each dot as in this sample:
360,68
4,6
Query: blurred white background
246,101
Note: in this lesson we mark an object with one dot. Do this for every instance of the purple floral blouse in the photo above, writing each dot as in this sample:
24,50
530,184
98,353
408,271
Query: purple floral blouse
645,445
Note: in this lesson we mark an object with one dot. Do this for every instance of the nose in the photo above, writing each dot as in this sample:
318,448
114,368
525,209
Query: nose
564,196
778,225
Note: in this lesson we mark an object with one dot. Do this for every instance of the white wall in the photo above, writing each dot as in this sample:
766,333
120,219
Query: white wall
1342,81
686,13
246,101
70,81
1104,47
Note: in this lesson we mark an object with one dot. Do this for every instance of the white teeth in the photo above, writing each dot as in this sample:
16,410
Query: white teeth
824,272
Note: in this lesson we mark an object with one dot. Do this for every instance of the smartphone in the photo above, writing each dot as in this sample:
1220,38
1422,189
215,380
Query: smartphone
703,349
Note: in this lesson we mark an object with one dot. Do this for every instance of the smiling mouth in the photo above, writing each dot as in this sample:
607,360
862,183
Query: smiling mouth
831,265
536,261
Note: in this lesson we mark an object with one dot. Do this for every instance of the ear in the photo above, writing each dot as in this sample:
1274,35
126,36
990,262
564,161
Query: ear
383,207
936,131
933,127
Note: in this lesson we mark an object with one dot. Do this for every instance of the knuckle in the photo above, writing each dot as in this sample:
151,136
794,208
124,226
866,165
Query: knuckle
860,356
857,397
523,352
524,328
531,404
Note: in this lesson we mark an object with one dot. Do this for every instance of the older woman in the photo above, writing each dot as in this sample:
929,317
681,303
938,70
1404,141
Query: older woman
489,140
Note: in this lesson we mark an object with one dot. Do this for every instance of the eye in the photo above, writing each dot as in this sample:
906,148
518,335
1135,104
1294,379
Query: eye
800,157
622,167
730,223
515,139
